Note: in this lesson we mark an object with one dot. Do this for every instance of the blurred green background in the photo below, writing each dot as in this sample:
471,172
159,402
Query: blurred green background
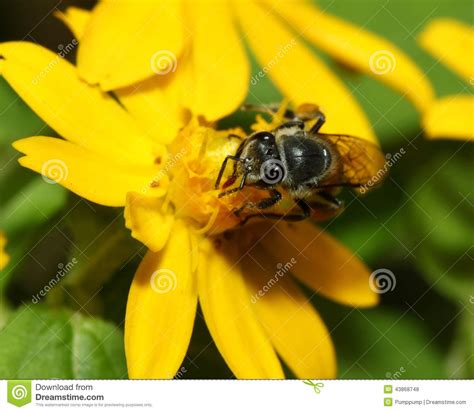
417,225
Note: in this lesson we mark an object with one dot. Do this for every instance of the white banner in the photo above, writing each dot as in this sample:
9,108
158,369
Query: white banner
237,395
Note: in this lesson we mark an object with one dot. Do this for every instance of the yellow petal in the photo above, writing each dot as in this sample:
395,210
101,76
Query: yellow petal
154,102
78,112
220,65
147,221
226,306
360,49
4,258
125,38
76,19
450,117
452,43
98,179
157,104
322,263
293,326
299,74
161,308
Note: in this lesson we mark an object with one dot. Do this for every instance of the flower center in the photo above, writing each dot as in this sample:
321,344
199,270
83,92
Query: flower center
195,158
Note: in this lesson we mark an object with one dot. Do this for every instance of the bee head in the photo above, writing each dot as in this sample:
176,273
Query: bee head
263,159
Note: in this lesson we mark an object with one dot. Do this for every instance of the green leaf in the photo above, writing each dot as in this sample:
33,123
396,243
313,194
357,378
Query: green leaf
98,349
41,343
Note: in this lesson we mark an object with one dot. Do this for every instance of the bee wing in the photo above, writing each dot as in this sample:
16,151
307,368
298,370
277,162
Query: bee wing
360,162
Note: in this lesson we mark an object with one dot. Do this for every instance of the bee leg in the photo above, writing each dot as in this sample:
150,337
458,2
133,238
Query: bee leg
321,119
236,189
223,166
275,197
332,201
305,213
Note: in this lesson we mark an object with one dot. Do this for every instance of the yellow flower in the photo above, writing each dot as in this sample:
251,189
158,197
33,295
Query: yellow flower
252,305
452,43
4,258
197,49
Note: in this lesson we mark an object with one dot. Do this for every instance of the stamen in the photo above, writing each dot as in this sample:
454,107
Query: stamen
209,224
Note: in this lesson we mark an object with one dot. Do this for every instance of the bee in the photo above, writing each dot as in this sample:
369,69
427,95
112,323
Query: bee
311,167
